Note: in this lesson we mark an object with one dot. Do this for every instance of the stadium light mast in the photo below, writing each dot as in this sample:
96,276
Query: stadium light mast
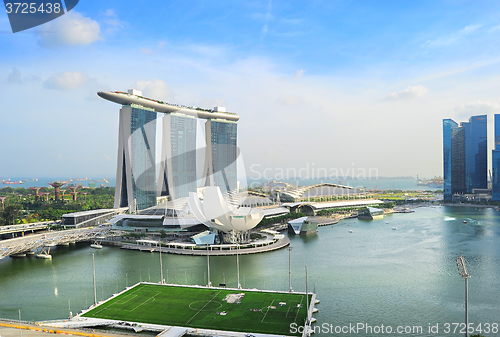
208,268
462,271
307,305
290,268
161,266
93,272
238,264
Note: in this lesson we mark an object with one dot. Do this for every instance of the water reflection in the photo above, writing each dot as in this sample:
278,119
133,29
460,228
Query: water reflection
374,275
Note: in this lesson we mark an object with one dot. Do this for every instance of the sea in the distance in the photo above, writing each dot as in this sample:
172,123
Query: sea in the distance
381,183
375,275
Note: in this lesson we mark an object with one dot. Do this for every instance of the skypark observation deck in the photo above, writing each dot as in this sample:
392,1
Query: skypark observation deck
124,98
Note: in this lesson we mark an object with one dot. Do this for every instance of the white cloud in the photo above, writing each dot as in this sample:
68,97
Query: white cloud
69,29
268,17
299,74
113,22
417,91
14,77
479,107
470,28
452,38
66,81
156,89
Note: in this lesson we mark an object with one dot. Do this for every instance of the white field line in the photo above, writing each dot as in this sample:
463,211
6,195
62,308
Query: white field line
267,311
298,309
203,307
146,301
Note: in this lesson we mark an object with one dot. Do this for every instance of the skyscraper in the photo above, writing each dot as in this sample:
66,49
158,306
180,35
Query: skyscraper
135,174
448,126
142,177
177,176
495,165
464,156
221,155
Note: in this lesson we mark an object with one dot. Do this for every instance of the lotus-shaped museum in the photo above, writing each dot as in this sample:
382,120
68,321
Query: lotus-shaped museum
211,209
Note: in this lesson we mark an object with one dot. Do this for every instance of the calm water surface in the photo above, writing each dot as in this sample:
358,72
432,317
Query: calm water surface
375,275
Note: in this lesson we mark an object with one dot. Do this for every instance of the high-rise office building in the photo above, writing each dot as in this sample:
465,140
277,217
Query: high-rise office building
464,156
221,155
495,165
177,176
135,175
142,177
448,126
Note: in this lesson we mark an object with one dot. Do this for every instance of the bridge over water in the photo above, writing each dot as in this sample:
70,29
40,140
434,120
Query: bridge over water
32,242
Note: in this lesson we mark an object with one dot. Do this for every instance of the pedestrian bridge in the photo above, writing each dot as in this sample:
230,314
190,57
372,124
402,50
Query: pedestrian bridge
32,242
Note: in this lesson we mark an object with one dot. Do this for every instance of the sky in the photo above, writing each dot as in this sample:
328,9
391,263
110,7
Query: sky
335,87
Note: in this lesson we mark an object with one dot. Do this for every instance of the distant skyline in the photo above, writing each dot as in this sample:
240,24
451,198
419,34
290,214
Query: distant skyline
334,85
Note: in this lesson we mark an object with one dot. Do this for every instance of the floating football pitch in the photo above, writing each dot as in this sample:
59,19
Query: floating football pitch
206,308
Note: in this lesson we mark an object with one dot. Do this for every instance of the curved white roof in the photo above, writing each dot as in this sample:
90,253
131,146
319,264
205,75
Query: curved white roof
127,99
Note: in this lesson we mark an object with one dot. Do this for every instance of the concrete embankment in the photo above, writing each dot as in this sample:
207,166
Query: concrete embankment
192,250
13,329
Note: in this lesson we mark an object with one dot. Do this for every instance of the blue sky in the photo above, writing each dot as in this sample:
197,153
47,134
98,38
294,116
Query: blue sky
336,85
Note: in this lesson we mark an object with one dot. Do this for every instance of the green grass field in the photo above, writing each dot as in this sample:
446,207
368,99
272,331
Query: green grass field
205,308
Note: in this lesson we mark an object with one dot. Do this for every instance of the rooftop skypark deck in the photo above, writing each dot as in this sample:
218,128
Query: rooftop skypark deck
125,98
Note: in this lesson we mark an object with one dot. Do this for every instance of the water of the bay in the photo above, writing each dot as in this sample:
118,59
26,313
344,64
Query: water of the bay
374,275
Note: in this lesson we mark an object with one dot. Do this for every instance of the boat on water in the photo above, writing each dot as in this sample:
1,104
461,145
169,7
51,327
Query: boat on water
44,256
350,231
302,226
370,213
394,228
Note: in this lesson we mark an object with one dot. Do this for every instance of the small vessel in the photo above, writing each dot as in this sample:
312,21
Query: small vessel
350,231
394,228
387,222
465,221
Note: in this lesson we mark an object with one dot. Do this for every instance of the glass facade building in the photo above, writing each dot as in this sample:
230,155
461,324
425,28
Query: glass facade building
495,165
136,174
178,160
476,162
157,154
448,126
464,156
221,155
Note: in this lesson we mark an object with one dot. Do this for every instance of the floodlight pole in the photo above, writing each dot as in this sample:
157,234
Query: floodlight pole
466,306
93,272
208,268
238,264
290,268
307,303
162,281
462,271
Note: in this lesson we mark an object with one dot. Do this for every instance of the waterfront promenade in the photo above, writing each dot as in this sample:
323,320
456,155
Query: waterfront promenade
16,329
269,244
